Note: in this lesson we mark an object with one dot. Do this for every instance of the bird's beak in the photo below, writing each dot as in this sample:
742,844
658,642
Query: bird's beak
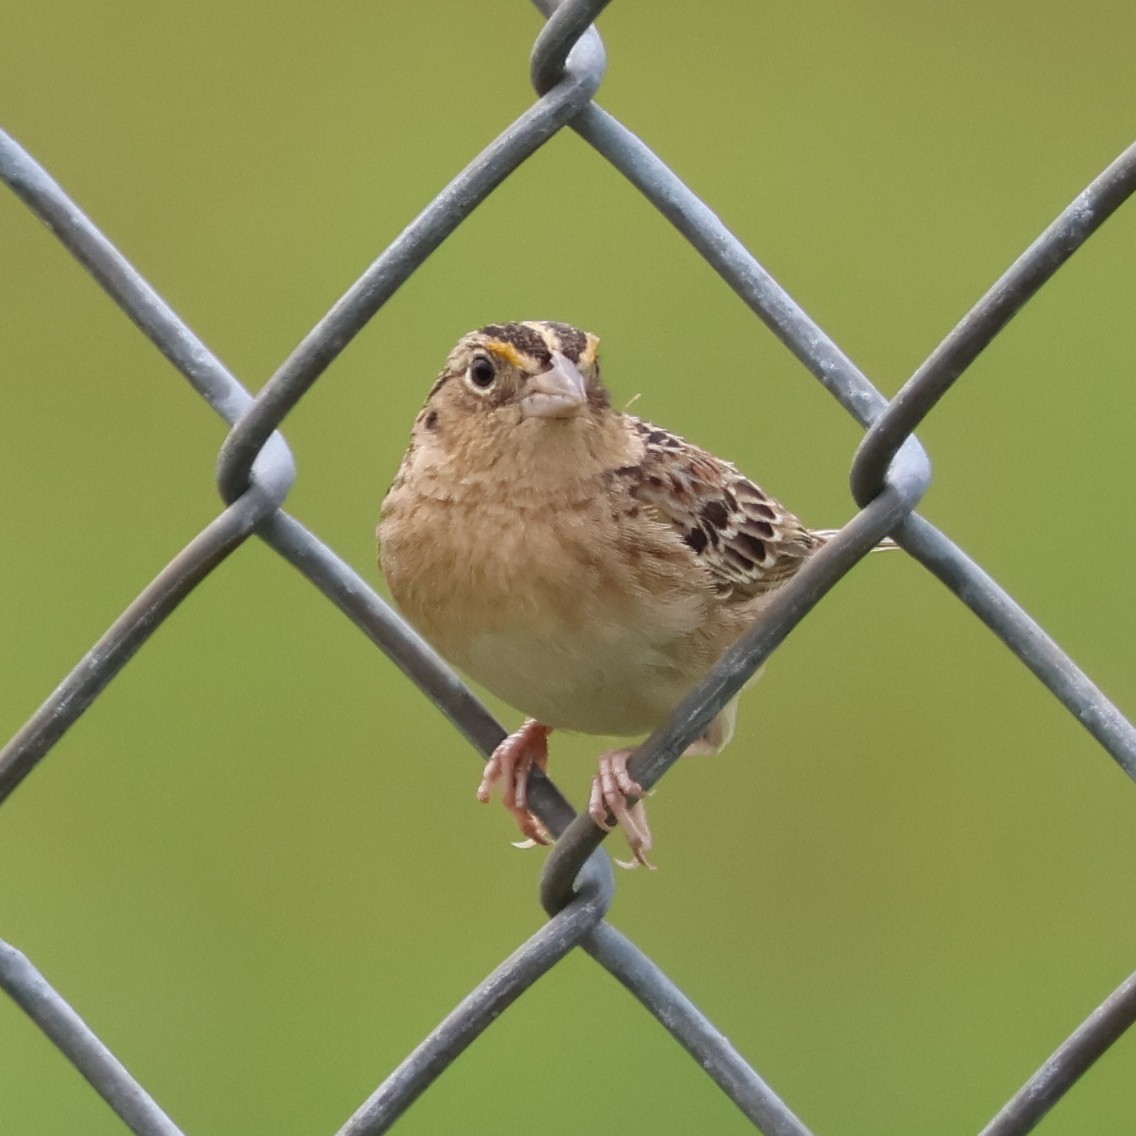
558,392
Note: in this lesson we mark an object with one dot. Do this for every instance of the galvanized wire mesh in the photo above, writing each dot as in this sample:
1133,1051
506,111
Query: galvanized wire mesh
255,473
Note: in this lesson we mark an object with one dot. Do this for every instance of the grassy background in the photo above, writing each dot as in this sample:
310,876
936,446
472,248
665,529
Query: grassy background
256,866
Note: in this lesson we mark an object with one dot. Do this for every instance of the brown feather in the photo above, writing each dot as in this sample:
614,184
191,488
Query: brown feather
747,541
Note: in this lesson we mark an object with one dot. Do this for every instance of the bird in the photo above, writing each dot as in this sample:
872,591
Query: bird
585,566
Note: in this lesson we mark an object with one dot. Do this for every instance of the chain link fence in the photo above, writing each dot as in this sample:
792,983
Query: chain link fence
255,473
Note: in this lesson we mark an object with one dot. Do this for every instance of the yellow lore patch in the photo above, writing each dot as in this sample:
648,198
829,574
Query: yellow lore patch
507,352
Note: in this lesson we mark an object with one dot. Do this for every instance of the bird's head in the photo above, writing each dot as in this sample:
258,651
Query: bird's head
516,373
517,402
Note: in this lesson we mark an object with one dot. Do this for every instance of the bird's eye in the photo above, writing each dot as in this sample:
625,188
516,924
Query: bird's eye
482,372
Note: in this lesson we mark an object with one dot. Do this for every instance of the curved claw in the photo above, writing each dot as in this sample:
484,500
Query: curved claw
608,806
510,763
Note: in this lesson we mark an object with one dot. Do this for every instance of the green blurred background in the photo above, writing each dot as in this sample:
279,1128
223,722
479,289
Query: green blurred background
256,865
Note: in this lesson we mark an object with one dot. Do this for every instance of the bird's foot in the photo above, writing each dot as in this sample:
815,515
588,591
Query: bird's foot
610,790
510,764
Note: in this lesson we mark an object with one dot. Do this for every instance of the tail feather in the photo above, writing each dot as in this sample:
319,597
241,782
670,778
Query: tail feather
885,545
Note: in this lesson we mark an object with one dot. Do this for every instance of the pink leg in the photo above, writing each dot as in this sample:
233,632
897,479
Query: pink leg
510,764
610,790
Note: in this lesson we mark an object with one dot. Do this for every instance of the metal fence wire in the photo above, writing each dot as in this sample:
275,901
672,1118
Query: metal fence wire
256,471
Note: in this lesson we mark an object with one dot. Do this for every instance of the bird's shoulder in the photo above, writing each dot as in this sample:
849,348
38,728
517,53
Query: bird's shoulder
747,541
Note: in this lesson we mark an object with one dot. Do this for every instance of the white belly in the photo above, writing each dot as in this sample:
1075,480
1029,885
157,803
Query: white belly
620,684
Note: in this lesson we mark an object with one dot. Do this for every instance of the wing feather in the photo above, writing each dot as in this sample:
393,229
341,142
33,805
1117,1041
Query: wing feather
748,541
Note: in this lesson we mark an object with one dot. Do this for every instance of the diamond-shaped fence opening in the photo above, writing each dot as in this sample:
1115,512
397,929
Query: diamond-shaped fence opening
890,475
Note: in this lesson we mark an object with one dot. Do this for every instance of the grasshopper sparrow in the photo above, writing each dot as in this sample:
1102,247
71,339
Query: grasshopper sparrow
585,566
